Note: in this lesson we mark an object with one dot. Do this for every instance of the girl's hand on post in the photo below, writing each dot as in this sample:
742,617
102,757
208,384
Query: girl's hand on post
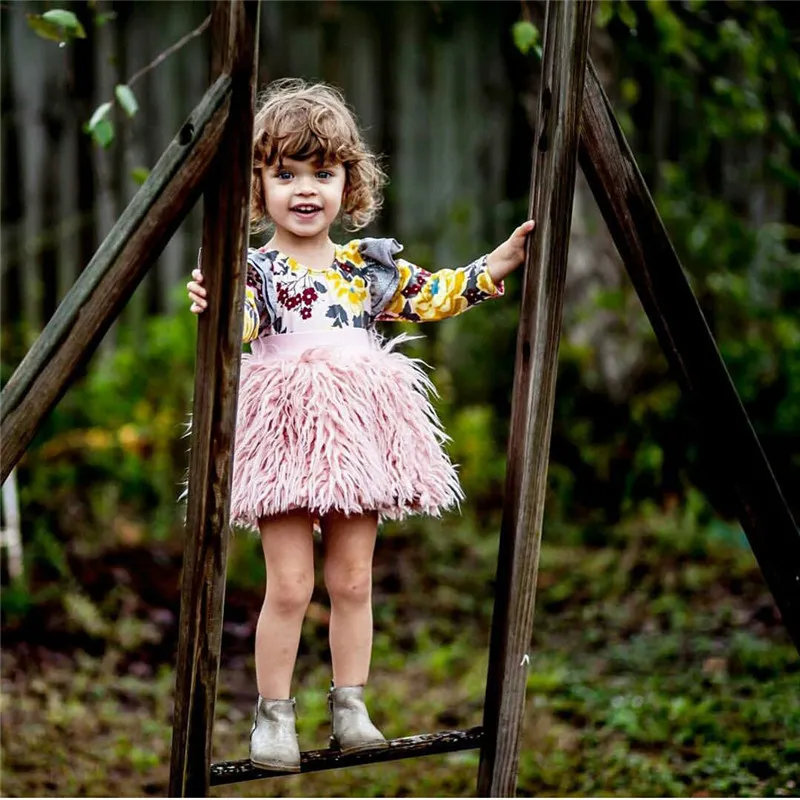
505,258
197,294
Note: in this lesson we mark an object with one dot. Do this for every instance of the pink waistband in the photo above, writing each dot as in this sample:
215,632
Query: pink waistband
280,344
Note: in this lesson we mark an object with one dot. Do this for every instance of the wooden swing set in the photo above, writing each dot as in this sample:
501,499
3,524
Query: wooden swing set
212,154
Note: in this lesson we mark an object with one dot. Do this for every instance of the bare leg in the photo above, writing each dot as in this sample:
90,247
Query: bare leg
349,547
289,556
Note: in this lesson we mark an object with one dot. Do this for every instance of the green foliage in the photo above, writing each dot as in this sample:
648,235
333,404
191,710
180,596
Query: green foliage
727,75
526,37
140,175
607,10
109,460
713,84
61,26
57,25
100,127
126,99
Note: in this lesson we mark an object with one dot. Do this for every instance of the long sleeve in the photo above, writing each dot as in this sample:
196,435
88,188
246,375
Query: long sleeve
256,313
423,296
251,316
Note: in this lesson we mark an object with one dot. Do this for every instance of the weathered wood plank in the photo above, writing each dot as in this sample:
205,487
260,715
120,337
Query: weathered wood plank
566,40
687,342
105,285
427,744
234,50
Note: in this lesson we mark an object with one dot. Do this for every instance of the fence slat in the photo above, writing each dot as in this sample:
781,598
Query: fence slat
234,33
687,342
116,269
566,40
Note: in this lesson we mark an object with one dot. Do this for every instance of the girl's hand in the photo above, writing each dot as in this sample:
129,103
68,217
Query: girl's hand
505,258
197,294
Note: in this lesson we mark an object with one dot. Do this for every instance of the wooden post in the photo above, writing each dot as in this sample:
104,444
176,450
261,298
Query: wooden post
566,40
116,269
234,36
689,346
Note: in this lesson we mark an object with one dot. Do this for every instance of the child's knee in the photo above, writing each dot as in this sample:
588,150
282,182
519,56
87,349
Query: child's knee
350,585
290,592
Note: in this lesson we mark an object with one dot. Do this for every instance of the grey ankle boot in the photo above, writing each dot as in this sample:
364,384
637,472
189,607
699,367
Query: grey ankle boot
352,729
273,739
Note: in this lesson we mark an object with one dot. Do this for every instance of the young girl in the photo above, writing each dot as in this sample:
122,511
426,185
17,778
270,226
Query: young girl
334,426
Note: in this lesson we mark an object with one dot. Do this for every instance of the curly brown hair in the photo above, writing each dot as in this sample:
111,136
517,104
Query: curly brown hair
300,120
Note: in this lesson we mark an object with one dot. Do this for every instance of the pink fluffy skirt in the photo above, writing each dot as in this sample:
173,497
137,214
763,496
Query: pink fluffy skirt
337,428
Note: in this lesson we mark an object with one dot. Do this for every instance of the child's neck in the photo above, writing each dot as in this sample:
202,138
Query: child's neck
316,252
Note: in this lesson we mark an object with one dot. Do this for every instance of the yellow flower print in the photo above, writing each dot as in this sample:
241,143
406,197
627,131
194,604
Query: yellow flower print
441,297
350,294
250,315
486,284
349,252
294,266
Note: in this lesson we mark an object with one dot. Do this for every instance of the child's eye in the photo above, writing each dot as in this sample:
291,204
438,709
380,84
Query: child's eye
283,175
324,174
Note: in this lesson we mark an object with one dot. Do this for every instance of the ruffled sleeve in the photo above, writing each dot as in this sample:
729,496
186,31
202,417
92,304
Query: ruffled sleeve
404,291
383,275
260,302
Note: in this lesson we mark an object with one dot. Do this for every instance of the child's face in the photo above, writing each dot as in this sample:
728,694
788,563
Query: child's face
302,197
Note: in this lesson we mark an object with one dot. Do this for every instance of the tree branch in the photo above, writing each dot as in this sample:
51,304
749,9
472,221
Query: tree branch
170,50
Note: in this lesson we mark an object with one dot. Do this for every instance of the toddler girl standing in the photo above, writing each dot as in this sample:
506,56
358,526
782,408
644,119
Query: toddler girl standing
334,426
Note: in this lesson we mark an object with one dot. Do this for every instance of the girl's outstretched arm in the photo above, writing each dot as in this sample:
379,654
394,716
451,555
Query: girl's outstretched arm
423,296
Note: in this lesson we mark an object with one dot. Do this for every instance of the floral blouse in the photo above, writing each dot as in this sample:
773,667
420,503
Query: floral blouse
363,285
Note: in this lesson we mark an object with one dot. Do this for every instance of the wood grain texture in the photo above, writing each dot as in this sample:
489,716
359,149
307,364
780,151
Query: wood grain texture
106,284
427,744
687,342
566,39
234,32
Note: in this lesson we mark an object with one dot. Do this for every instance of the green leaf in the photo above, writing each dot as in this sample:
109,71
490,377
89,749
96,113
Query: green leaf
526,36
627,15
100,113
103,133
47,30
66,20
140,174
126,98
605,13
629,89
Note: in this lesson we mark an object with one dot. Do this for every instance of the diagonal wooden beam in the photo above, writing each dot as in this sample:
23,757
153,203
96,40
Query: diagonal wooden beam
226,210
688,344
566,40
116,269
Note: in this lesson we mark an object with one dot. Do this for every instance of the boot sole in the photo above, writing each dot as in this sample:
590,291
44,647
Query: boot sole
362,748
276,767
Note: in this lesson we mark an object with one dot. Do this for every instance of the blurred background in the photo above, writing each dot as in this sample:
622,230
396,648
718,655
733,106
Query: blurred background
659,665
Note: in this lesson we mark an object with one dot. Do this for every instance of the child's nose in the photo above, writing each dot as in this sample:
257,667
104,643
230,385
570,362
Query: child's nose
305,186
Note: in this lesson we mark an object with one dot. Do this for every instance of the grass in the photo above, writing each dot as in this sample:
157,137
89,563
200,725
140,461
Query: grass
657,668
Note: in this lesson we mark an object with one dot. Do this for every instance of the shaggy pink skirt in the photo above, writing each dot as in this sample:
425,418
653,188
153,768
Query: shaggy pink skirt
337,421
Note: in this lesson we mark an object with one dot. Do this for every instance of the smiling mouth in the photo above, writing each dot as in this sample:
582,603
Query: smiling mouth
306,208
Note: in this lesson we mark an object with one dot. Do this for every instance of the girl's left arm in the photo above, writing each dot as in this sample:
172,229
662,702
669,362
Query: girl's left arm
423,296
